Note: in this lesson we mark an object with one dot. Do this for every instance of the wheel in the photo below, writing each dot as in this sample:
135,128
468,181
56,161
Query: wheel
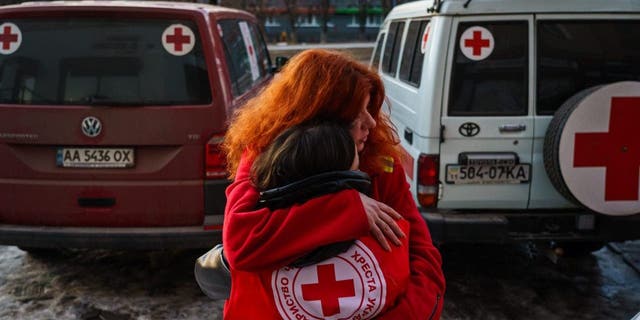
591,153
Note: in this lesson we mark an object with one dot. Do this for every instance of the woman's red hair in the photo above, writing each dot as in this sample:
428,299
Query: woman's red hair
314,85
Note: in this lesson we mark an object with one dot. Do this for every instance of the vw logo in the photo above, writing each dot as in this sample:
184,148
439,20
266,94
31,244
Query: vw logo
91,127
469,129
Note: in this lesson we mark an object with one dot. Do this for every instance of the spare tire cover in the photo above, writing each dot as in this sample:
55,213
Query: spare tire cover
592,149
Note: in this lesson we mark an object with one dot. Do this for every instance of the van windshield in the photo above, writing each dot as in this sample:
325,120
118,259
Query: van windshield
95,61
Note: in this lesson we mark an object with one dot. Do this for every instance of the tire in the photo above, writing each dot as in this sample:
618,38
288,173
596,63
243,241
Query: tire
551,147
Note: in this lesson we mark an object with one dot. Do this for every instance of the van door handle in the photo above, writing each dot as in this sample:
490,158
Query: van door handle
96,202
408,135
512,127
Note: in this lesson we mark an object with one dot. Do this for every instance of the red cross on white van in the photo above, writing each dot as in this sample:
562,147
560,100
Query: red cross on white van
600,152
477,43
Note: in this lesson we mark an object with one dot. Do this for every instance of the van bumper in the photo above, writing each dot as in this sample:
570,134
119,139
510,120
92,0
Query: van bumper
503,226
109,238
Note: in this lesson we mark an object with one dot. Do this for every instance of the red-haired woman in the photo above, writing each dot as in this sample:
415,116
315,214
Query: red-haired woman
320,85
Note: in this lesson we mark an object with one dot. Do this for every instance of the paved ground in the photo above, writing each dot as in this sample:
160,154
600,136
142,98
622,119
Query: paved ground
484,282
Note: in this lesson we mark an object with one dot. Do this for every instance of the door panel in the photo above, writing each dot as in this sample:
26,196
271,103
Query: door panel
486,114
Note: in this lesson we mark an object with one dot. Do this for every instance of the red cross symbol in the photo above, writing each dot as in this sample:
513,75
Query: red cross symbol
178,39
328,290
618,150
6,38
477,43
425,37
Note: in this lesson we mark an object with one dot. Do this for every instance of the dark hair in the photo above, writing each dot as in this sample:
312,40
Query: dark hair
302,151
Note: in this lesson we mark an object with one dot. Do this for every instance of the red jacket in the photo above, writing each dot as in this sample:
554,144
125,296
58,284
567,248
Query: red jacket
258,241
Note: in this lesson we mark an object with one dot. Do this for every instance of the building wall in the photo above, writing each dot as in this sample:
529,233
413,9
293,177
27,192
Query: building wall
343,23
341,28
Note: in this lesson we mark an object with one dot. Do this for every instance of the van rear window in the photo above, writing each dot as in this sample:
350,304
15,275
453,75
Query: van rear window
495,85
575,55
104,61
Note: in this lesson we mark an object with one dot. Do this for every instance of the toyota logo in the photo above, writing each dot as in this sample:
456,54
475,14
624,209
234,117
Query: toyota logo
91,127
469,129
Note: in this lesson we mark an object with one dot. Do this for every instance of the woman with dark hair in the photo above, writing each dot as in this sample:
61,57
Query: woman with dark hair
303,151
319,85
305,162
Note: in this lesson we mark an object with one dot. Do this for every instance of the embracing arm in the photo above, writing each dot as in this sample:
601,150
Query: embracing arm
255,239
424,296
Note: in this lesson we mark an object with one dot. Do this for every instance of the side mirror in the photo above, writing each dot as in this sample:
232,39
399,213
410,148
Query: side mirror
280,62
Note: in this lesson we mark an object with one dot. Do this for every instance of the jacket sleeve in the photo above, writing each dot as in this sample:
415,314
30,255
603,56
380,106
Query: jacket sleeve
258,239
424,296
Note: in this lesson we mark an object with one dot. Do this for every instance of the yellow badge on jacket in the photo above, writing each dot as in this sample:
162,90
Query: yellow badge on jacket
387,164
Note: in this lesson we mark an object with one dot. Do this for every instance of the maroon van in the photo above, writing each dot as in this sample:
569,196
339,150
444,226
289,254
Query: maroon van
111,114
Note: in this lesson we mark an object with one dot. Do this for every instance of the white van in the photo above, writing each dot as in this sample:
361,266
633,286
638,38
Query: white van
518,117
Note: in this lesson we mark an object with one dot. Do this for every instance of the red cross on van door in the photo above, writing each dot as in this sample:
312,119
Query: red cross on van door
476,43
10,38
328,290
178,39
599,149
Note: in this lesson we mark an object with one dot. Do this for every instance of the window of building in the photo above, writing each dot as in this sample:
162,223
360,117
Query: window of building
271,21
392,48
372,21
412,56
575,55
307,21
497,84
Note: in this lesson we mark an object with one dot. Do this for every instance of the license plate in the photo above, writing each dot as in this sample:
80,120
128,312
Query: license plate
95,157
488,174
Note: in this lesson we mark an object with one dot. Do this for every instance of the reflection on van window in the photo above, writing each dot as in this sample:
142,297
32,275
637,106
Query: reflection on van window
575,55
102,61
392,48
497,85
412,56
243,74
376,53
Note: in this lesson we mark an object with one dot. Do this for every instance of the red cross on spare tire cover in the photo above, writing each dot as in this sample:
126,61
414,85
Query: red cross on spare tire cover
592,149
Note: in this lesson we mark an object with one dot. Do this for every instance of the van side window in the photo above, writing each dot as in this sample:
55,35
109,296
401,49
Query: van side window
412,56
262,54
497,84
392,48
245,54
376,53
575,55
